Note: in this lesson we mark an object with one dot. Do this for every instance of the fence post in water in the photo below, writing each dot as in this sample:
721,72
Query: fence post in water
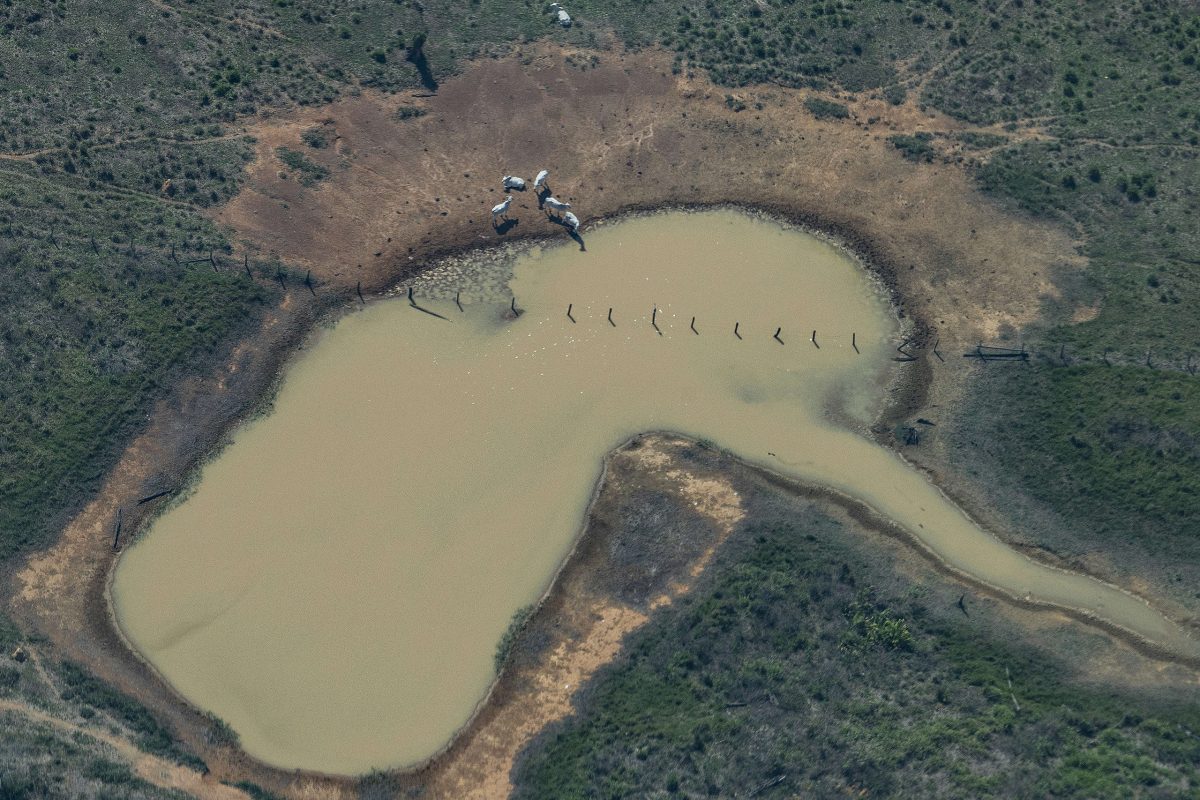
654,320
610,322
569,307
854,341
735,329
778,331
411,301
513,306
694,327
814,340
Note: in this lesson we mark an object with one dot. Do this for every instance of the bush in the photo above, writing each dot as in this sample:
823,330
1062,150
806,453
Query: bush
310,172
316,137
825,109
504,647
916,147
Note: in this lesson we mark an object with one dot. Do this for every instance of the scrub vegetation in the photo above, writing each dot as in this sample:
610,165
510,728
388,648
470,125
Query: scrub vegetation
42,760
802,666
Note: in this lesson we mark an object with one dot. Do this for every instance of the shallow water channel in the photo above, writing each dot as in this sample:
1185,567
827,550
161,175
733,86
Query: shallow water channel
335,586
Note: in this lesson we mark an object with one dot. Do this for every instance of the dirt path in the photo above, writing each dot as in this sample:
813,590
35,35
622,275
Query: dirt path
152,769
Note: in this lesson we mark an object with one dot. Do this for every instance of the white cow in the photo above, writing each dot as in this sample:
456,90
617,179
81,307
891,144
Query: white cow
501,209
513,182
540,180
564,18
554,204
572,221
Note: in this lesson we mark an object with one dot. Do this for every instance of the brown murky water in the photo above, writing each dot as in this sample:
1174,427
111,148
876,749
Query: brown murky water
335,587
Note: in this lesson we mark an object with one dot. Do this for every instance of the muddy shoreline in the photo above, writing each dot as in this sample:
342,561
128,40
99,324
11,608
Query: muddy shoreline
258,380
196,438
191,426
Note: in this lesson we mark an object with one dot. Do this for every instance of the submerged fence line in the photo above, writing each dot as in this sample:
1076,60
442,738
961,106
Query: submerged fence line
909,349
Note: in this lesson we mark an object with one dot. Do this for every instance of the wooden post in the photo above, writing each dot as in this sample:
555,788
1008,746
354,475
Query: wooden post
308,282
654,320
937,352
610,321
117,527
358,289
282,283
411,301
814,340
854,341
457,300
778,331
513,306
569,307
246,264
736,325
694,327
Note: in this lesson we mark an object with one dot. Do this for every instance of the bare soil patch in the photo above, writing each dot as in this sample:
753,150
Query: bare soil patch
628,134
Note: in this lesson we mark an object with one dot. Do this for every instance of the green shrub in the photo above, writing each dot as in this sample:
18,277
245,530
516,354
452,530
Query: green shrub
916,147
310,172
825,109
316,137
504,647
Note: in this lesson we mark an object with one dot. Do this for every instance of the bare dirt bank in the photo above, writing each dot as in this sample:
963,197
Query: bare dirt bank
620,135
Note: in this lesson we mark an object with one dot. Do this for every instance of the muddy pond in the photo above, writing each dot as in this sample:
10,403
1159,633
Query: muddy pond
335,585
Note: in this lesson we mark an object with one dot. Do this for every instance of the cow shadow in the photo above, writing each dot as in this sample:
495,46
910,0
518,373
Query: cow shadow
574,234
506,226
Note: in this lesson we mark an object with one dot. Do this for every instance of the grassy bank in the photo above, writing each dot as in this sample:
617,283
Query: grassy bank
805,665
